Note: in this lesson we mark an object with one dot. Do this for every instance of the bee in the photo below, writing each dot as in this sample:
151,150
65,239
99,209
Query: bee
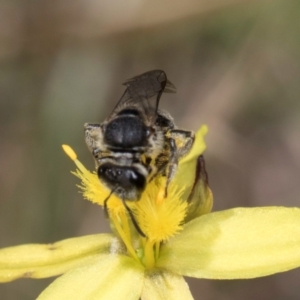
138,141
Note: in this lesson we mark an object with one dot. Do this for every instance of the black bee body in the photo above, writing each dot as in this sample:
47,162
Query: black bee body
137,142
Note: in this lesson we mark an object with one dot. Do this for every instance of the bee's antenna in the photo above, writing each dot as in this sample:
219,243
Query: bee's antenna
134,222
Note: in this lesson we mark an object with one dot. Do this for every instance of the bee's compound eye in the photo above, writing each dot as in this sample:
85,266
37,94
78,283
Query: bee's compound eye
108,171
136,179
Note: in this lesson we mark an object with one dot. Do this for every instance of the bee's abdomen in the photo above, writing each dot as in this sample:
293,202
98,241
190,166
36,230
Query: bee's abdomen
126,132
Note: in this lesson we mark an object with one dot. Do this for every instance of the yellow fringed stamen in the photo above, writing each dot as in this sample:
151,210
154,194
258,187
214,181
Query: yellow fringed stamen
160,218
125,225
93,190
160,196
69,151
124,238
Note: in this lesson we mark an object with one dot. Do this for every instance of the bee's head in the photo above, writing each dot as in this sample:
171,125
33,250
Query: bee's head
128,181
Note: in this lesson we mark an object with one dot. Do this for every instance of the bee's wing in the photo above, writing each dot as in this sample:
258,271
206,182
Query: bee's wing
143,93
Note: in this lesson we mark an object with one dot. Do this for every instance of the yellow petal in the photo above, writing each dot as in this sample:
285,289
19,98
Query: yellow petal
199,145
165,285
185,175
106,277
201,198
187,166
39,261
236,243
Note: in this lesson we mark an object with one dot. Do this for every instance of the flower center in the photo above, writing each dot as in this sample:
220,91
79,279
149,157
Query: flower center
158,217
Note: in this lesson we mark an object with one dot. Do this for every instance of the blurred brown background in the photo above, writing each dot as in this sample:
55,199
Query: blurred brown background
236,66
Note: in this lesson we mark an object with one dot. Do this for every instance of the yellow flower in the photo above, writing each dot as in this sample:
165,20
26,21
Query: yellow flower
183,238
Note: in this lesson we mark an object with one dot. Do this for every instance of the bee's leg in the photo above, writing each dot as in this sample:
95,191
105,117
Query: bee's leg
91,130
173,163
134,222
158,169
93,136
184,141
105,208
105,203
181,142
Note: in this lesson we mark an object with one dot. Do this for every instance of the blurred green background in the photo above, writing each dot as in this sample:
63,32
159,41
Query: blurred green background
236,66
